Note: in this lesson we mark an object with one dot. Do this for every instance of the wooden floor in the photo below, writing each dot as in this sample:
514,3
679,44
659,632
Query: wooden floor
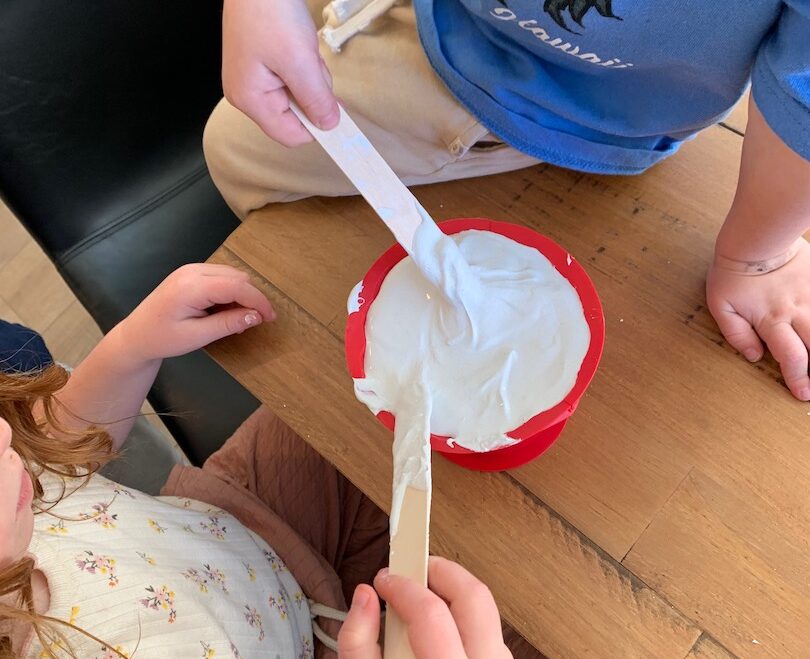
33,293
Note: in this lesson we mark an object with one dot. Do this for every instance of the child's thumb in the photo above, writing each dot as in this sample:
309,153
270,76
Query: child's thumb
359,634
309,81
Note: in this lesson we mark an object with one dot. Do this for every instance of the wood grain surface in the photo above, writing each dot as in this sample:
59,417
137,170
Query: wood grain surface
672,518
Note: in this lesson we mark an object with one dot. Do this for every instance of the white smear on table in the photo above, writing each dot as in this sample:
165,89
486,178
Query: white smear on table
355,300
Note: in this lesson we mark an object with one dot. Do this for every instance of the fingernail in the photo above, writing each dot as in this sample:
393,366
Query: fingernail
383,575
361,598
251,318
752,355
328,121
804,394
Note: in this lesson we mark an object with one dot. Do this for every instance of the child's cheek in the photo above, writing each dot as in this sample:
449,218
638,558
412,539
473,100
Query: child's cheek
15,537
7,540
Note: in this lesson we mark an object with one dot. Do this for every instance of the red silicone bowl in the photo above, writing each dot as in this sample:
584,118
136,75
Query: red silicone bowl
539,432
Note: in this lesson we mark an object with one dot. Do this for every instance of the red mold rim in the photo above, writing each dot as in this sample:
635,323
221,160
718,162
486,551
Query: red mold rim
552,420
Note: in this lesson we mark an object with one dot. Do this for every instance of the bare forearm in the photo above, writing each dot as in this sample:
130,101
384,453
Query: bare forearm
194,306
771,209
108,388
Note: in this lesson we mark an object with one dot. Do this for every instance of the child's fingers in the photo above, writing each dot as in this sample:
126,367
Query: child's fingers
740,334
802,327
309,82
359,634
281,124
789,350
472,606
205,330
220,269
432,630
227,290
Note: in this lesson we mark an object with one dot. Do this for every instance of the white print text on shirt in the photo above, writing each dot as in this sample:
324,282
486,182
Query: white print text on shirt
506,14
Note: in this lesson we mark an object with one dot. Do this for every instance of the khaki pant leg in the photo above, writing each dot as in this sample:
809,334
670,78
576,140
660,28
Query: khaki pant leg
387,85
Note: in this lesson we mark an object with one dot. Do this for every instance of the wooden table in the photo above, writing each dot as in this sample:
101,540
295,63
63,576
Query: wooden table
672,518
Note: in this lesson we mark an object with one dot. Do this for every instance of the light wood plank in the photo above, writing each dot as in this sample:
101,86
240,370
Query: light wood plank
646,242
14,236
670,395
556,588
30,284
708,648
285,248
741,573
72,335
7,313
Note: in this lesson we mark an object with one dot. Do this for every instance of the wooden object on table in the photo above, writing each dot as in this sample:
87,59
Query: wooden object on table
409,558
401,213
671,519
351,150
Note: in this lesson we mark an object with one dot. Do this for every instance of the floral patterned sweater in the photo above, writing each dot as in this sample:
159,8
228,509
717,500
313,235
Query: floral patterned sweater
164,577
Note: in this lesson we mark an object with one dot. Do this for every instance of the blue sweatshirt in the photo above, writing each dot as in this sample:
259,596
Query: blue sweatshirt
614,86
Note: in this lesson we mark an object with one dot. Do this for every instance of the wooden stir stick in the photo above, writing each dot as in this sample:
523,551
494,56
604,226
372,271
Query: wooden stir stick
371,175
402,213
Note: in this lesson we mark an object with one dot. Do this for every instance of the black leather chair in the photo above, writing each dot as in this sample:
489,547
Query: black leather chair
102,109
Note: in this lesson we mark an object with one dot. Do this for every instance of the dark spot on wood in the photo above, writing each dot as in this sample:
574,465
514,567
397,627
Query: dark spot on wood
644,248
576,182
636,210
690,317
699,308
720,342
600,250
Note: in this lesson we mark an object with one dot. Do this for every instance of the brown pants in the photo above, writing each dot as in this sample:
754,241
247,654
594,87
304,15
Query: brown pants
326,531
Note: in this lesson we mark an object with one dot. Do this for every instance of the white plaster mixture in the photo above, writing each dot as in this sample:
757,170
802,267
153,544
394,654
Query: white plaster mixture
469,338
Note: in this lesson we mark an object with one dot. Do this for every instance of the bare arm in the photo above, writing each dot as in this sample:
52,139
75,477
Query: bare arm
108,388
757,288
194,306
772,206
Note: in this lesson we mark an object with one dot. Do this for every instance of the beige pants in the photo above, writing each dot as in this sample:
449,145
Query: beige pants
387,85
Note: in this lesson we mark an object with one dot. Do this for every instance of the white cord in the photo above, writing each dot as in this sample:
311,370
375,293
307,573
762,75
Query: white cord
322,611
336,36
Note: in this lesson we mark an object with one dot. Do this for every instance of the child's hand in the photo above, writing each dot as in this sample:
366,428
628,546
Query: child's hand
194,306
776,307
269,47
456,619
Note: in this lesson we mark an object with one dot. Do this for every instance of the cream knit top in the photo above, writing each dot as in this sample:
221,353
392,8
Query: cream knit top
160,577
